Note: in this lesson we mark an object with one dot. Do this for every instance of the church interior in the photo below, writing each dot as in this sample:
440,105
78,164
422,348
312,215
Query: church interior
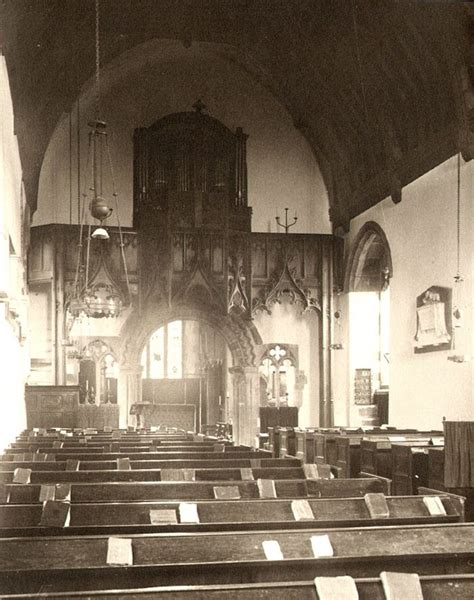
236,282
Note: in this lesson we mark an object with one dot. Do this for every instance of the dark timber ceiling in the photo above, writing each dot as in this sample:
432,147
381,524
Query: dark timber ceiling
378,87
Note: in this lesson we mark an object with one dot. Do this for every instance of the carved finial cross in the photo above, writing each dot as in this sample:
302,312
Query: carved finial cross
199,106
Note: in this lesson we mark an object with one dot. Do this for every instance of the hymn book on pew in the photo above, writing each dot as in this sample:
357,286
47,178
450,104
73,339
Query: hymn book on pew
119,552
22,476
226,492
55,514
302,510
401,586
266,488
246,474
272,550
188,512
165,516
434,505
342,587
321,546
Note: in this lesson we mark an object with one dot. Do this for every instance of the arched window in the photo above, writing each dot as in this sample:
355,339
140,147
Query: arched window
162,357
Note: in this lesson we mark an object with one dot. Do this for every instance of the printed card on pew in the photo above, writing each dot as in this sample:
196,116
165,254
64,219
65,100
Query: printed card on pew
58,444
321,545
47,492
188,513
72,465
311,471
342,587
39,457
50,457
21,475
63,492
123,464
55,514
398,438
377,506
246,474
255,463
266,488
226,492
218,448
107,429
165,516
272,550
434,505
302,510
119,551
28,456
401,586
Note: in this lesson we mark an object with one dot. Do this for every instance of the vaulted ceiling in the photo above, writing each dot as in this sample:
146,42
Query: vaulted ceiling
382,89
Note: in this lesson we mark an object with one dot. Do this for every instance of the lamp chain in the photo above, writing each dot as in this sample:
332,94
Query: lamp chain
458,218
97,57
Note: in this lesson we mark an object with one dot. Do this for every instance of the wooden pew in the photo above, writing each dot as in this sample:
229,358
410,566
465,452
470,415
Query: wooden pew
65,563
92,455
219,474
190,463
434,587
223,515
183,490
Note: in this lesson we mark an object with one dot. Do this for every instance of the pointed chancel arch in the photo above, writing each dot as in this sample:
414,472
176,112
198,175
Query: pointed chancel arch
241,337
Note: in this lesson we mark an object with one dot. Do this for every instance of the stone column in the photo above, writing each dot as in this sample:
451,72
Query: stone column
246,404
129,391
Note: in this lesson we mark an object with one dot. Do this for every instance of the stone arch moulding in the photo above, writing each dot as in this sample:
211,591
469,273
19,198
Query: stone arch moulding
242,338
369,250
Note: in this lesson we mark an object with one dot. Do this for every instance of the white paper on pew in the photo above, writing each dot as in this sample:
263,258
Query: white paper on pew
302,510
321,545
246,474
342,587
437,441
188,513
47,492
434,505
69,434
272,550
153,429
63,492
165,516
266,488
21,475
119,551
397,438
401,586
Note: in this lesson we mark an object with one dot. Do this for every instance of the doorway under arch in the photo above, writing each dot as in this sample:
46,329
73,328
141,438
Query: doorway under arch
368,283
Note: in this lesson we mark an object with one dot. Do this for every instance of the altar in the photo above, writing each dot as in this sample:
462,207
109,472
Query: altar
169,403
181,416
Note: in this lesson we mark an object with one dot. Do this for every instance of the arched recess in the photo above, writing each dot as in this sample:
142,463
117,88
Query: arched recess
241,337
369,267
367,280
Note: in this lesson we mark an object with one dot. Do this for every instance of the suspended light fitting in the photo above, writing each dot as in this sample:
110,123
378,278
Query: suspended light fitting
97,296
